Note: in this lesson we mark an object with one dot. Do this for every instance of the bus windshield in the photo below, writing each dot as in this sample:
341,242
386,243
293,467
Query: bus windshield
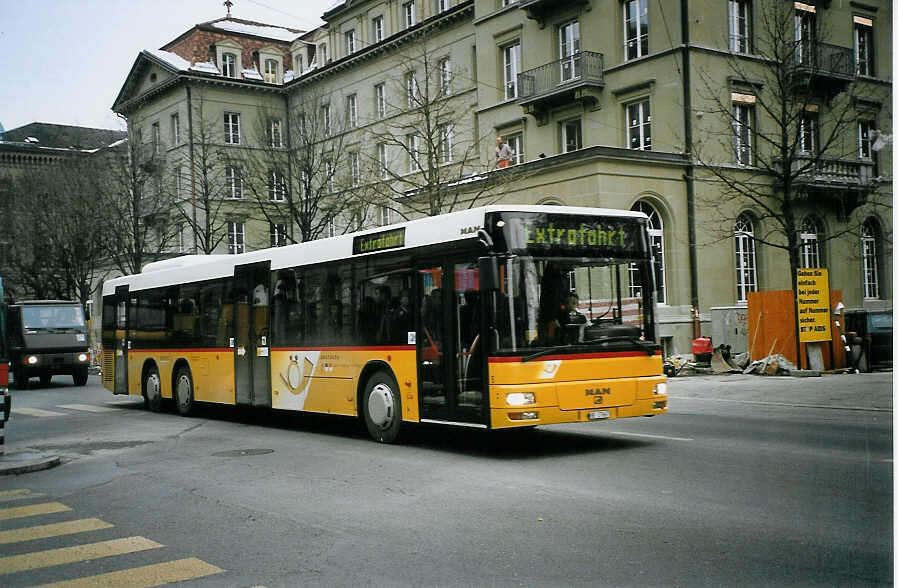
50,317
574,305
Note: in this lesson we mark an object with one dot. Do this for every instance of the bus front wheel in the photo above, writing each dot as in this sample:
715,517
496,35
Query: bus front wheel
382,407
184,391
152,390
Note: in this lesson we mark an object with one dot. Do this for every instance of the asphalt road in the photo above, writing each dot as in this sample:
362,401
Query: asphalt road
749,481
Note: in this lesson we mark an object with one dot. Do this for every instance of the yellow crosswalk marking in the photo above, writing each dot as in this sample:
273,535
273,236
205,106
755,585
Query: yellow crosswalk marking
54,530
31,510
145,576
15,494
88,407
26,495
64,555
37,412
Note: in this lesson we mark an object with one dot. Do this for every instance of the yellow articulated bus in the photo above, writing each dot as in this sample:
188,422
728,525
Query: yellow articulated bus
494,317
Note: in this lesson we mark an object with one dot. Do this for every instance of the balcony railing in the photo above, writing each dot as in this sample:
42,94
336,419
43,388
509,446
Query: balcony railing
824,60
830,172
585,68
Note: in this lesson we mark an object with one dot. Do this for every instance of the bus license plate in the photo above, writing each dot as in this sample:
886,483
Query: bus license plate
597,415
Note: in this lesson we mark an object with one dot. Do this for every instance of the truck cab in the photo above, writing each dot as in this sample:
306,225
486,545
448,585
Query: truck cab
47,338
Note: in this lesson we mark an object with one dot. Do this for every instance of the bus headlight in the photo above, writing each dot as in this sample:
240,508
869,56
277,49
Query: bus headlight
32,359
660,388
519,398
82,357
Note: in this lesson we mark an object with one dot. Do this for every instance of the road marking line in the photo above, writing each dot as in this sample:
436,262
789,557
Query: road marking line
145,576
794,405
27,494
15,494
20,512
651,436
88,407
65,555
37,412
54,530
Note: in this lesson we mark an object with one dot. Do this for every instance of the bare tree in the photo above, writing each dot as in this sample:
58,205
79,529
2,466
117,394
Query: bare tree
136,202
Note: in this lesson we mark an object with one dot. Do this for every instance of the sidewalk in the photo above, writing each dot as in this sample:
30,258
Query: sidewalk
872,391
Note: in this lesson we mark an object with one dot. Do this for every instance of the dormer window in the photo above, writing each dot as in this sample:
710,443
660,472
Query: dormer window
271,71
229,65
297,63
350,42
322,54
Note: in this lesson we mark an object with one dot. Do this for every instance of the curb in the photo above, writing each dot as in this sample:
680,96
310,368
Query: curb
26,461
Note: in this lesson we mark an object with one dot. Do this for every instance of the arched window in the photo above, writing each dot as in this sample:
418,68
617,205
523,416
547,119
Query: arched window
656,242
870,258
810,236
746,269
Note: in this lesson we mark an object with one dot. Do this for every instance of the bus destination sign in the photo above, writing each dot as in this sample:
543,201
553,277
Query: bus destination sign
378,241
575,235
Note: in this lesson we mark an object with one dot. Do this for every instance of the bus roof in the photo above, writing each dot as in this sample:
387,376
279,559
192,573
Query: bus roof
433,230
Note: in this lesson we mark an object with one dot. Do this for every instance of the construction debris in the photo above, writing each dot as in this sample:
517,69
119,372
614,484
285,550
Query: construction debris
772,365
721,363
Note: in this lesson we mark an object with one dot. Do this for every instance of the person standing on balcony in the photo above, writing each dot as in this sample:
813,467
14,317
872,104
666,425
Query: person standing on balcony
503,153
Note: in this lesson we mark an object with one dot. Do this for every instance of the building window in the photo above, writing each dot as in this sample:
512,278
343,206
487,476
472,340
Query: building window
233,183
326,119
411,143
155,138
746,270
409,13
571,135
442,6
377,28
639,125
656,242
870,258
380,100
349,38
232,128
274,132
352,111
182,242
329,173
445,131
445,67
322,54
516,142
511,66
863,46
807,133
636,28
277,234
743,114
384,216
810,243
411,89
332,227
175,129
179,183
236,237
569,50
508,2
864,143
229,65
382,161
277,186
271,71
355,170
805,34
297,63
740,23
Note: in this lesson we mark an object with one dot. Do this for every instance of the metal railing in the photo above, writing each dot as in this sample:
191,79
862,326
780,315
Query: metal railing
824,59
585,67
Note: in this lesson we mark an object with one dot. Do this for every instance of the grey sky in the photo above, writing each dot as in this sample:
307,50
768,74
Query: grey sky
64,61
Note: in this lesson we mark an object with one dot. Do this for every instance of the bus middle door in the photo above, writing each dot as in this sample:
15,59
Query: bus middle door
252,363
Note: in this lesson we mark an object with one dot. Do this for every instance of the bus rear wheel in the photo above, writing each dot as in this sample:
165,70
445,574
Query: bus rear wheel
382,407
184,391
152,389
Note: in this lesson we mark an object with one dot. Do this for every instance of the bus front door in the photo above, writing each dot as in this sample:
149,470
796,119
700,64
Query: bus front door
450,353
252,367
120,363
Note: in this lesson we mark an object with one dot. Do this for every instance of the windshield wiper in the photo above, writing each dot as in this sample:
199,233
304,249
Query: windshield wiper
545,352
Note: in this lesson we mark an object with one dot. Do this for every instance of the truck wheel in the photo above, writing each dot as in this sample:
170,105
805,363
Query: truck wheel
20,379
152,390
382,407
184,391
45,380
80,377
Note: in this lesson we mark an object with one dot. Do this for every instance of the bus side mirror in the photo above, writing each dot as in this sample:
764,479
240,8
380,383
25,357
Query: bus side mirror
489,273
